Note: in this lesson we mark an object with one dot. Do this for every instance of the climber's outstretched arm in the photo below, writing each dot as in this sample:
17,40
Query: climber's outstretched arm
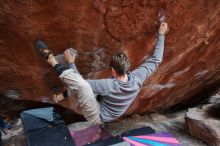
150,64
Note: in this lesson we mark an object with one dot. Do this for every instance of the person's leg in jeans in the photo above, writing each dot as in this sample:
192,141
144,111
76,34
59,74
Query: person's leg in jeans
2,124
0,138
3,127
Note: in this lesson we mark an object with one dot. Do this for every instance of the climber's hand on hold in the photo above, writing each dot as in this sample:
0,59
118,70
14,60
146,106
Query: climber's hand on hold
68,56
163,28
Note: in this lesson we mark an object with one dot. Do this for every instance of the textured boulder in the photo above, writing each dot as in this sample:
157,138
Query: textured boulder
204,125
99,28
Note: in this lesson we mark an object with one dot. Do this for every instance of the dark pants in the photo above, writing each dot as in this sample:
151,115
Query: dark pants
0,139
59,69
2,126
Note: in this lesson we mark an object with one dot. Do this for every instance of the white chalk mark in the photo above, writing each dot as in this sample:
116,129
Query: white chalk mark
201,73
176,74
12,94
45,99
162,86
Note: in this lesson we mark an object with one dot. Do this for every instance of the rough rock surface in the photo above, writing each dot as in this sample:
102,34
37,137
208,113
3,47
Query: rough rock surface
203,125
99,28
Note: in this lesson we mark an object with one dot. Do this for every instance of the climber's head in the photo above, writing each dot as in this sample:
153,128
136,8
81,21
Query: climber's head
119,64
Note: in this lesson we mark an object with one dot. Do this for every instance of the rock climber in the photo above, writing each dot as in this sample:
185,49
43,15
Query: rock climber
117,93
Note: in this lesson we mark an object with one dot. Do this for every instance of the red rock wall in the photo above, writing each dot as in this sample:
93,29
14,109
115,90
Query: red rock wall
99,28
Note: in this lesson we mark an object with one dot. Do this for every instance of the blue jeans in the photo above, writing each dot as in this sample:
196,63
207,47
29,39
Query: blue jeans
2,124
0,139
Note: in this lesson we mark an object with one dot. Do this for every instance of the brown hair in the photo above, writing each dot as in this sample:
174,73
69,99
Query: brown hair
120,63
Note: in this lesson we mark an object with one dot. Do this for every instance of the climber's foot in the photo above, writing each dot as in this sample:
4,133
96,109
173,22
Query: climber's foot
45,52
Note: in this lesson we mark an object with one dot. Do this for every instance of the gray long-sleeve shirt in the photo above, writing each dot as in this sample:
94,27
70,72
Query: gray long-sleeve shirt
116,96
